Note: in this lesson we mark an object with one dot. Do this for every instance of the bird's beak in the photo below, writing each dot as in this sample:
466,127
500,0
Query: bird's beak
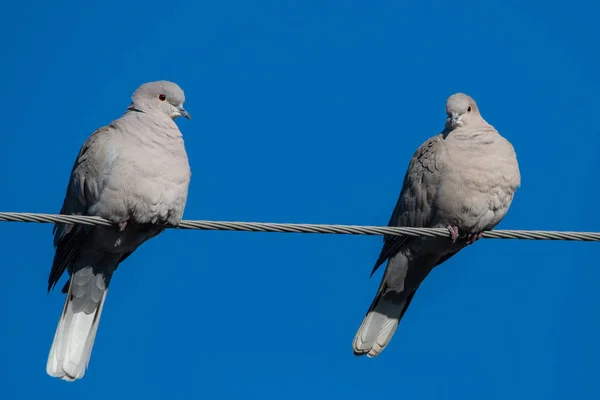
454,118
184,113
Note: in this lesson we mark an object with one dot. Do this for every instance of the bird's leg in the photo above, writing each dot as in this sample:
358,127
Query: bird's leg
453,229
122,226
473,237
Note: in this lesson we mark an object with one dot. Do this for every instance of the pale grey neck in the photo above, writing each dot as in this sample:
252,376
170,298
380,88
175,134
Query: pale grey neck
163,124
474,138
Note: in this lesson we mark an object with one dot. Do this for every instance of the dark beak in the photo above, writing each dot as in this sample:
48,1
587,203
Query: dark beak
184,113
455,118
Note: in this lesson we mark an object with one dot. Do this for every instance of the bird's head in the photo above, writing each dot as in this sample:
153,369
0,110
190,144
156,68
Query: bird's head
160,97
460,109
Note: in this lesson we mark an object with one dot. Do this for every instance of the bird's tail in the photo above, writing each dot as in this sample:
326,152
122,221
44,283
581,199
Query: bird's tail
72,347
379,325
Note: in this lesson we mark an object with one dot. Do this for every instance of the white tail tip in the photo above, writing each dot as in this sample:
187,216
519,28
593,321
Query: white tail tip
377,329
73,341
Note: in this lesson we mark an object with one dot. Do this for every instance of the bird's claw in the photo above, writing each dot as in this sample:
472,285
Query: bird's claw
122,226
453,229
474,237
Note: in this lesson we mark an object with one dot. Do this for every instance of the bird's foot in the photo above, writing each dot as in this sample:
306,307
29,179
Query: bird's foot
471,238
453,229
122,226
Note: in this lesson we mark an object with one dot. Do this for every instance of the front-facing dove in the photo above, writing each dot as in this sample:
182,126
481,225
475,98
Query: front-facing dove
135,173
463,179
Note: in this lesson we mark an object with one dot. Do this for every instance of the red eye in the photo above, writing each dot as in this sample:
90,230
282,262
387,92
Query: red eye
162,97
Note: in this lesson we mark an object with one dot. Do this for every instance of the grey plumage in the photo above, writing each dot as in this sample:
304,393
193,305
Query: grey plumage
463,179
133,172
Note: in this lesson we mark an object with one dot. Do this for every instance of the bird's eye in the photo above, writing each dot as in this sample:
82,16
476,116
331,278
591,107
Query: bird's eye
469,109
162,97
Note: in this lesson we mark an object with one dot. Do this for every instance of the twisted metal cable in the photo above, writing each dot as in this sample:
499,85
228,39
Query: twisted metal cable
308,228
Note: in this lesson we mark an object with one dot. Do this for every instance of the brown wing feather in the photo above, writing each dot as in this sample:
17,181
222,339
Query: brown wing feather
414,206
81,193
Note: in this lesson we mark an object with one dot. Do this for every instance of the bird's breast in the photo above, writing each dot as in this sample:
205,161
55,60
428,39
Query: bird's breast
150,182
477,189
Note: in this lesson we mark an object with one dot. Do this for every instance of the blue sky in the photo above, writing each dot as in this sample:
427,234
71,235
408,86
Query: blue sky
308,111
